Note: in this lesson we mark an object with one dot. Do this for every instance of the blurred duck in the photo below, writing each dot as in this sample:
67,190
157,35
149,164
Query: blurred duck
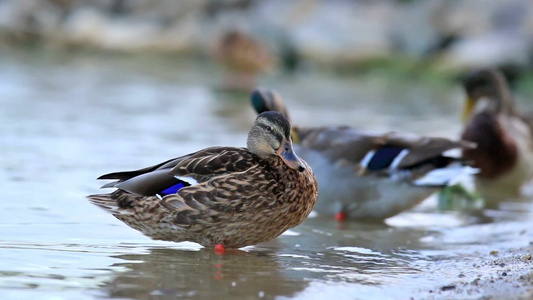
244,58
219,196
369,176
504,154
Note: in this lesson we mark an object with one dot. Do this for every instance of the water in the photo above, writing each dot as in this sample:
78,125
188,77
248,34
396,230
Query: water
67,118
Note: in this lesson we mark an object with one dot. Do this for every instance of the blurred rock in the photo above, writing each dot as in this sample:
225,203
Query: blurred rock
488,33
456,35
244,58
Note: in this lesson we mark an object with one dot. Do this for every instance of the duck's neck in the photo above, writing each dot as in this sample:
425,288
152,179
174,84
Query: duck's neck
257,147
503,99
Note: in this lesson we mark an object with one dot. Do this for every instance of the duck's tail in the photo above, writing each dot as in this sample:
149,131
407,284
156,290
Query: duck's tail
110,203
449,175
456,170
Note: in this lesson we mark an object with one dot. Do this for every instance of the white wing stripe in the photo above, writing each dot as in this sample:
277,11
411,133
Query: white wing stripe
366,160
396,162
189,180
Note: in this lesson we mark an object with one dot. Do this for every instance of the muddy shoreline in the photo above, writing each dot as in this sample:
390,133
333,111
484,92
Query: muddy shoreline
496,275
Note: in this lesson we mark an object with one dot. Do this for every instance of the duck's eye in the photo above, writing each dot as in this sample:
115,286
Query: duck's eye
269,128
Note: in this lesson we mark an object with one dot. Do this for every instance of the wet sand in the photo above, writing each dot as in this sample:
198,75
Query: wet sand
496,275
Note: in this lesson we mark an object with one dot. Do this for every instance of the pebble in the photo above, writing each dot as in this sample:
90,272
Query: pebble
447,288
356,34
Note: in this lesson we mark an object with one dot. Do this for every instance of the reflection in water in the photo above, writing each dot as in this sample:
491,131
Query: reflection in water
203,275
259,271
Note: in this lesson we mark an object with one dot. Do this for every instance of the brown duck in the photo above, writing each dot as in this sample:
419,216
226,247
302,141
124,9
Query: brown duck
244,58
220,195
504,154
369,176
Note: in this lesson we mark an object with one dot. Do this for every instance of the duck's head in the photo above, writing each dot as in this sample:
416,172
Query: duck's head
485,89
271,136
264,99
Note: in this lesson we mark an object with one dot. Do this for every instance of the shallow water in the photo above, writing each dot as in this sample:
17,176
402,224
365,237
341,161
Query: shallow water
67,118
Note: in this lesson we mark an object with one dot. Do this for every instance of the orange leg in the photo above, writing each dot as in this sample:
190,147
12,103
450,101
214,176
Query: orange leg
340,216
220,249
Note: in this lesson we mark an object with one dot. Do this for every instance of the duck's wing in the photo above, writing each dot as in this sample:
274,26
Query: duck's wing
170,176
419,149
375,151
340,144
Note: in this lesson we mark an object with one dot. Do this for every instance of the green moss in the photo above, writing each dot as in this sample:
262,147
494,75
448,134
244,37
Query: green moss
457,197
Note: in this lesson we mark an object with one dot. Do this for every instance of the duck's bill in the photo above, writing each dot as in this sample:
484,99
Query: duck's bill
288,156
467,109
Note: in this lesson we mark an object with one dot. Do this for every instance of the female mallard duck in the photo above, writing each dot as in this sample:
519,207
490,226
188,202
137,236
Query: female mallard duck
363,175
244,58
504,154
221,195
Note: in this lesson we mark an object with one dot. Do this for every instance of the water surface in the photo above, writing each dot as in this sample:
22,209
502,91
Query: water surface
66,118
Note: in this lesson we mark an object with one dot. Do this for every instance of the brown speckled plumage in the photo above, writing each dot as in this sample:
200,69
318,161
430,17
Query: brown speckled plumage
241,198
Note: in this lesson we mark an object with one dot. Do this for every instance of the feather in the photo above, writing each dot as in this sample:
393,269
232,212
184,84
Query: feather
383,158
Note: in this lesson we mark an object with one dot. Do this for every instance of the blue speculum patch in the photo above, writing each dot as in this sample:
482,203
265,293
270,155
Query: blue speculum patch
383,158
173,189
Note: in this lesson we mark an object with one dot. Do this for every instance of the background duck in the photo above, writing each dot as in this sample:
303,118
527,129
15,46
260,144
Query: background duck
372,176
226,196
244,58
504,154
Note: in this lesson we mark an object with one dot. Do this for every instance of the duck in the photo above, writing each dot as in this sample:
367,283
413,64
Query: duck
492,120
244,58
222,197
369,176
